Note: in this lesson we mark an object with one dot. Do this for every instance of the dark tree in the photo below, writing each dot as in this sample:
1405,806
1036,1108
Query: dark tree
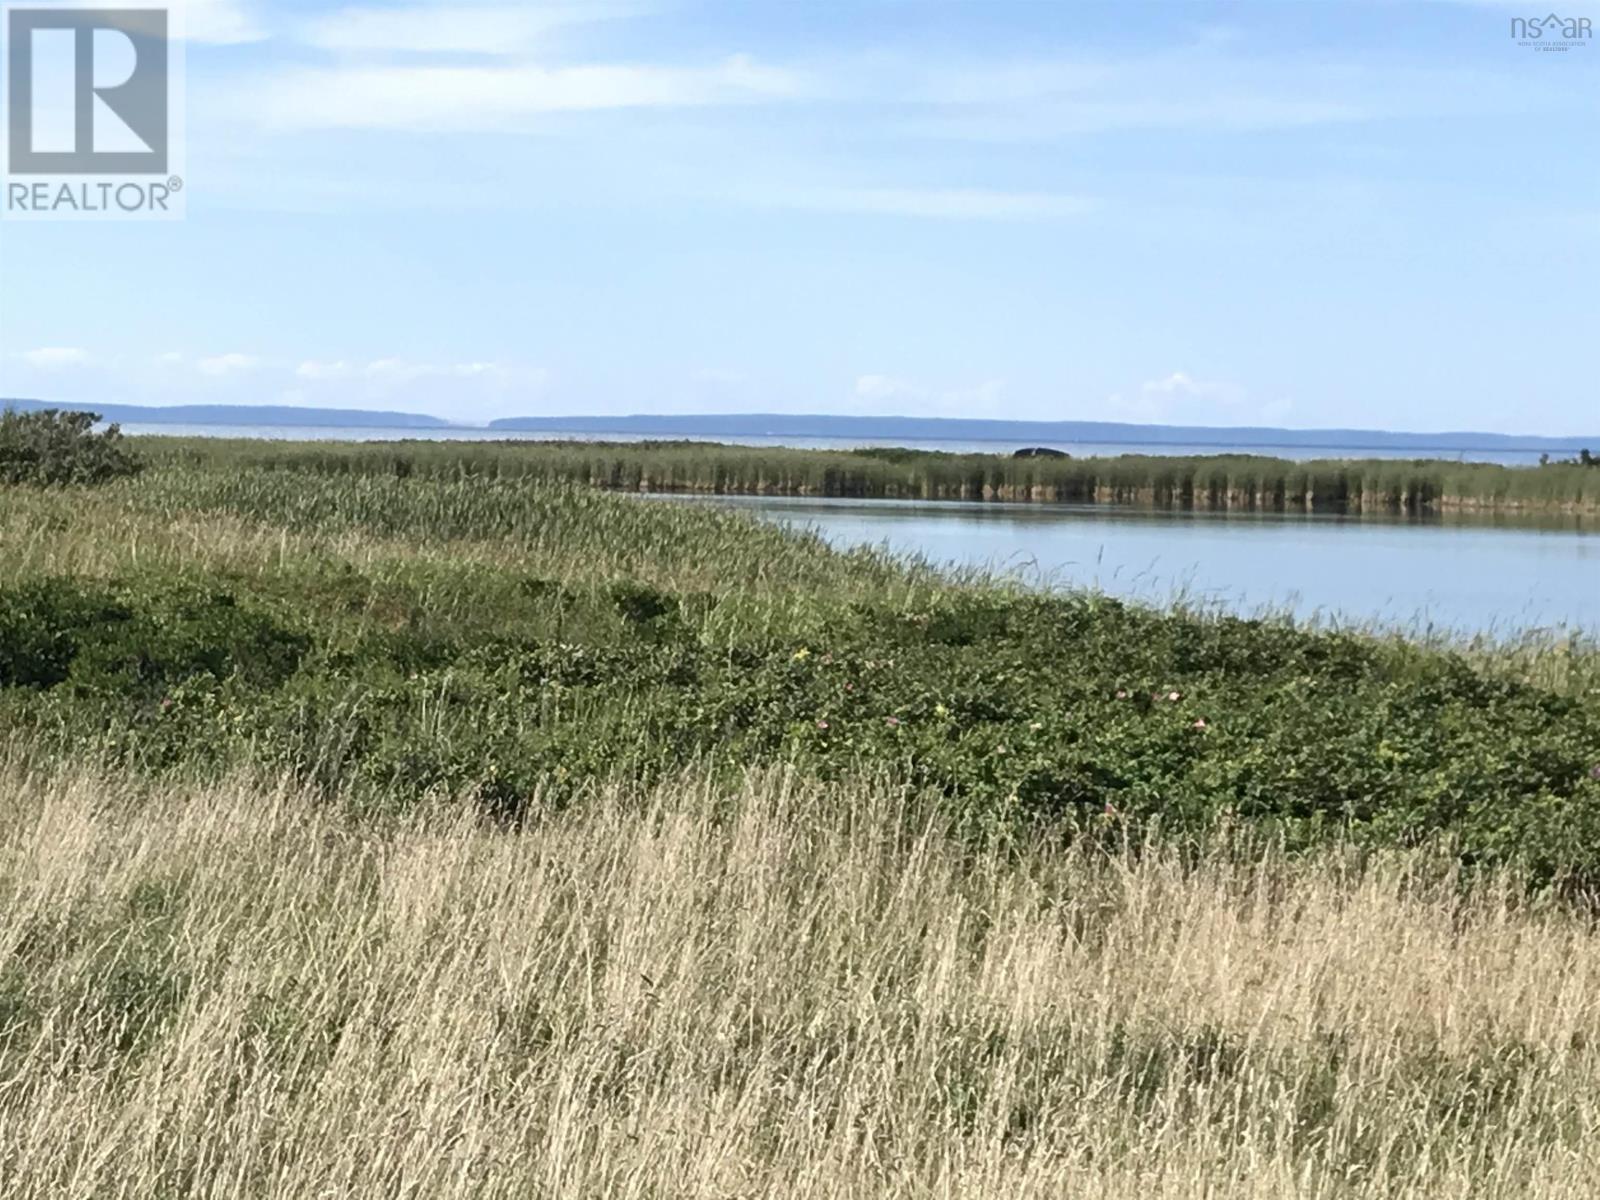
52,447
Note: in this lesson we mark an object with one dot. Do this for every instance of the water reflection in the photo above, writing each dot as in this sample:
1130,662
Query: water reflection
1500,574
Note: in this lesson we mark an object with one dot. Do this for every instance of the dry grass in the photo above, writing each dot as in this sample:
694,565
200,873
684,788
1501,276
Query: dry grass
787,991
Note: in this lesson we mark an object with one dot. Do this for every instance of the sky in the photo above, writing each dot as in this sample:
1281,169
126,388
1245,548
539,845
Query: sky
1305,213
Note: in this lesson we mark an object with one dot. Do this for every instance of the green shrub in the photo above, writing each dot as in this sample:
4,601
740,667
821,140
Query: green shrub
134,640
51,447
1014,708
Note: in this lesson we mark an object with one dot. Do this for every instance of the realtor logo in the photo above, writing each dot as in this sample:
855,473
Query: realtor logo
87,91
91,101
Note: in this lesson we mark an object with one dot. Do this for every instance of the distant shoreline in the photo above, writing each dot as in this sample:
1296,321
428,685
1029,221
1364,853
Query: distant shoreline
826,427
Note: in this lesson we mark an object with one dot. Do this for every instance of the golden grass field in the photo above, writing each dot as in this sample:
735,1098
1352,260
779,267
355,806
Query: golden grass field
703,990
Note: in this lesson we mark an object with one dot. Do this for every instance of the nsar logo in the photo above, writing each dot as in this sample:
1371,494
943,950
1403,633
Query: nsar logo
1552,32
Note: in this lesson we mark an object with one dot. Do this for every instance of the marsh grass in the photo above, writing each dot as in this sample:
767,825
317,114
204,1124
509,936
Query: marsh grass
1222,481
775,988
255,521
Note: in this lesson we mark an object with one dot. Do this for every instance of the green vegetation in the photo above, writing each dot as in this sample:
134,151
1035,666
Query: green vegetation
49,447
1585,458
380,821
1215,481
387,635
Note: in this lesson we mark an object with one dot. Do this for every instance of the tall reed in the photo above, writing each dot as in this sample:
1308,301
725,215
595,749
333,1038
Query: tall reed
1249,482
775,990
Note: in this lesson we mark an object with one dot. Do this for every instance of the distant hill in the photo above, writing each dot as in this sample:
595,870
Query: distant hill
242,414
891,429
863,429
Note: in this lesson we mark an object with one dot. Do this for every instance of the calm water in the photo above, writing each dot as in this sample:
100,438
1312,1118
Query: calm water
334,433
1467,576
1472,575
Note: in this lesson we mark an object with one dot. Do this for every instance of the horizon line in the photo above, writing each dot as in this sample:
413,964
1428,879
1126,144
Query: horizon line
554,422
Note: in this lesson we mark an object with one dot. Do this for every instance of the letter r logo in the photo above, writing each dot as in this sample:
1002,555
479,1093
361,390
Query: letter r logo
86,91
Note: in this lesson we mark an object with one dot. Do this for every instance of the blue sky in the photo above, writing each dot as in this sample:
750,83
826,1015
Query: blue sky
1303,213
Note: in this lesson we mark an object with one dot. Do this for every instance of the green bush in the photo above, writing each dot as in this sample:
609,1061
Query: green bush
51,447
1017,709
134,640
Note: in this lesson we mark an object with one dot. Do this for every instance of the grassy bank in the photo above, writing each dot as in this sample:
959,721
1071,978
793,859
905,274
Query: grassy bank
765,989
1247,482
444,832
386,638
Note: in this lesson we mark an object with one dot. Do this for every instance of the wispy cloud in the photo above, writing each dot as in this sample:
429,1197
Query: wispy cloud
1180,398
1206,82
941,203
469,389
314,369
227,364
1525,6
718,377
221,22
51,358
435,98
400,370
893,394
498,30
378,371
1182,384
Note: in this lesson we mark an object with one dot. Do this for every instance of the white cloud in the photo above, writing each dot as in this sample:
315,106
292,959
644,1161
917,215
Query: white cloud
962,204
220,22
428,97
396,370
1206,107
718,377
1210,81
1523,5
313,369
1180,398
50,358
471,389
1180,383
227,364
884,387
895,395
450,29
